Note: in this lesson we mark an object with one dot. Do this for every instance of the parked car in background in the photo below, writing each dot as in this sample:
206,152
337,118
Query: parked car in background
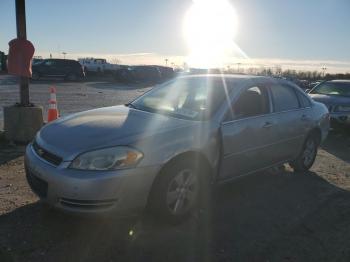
315,83
150,74
144,74
335,94
68,69
166,72
97,65
303,84
37,60
124,74
161,150
3,62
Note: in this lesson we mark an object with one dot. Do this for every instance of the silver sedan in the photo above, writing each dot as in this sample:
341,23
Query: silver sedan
161,149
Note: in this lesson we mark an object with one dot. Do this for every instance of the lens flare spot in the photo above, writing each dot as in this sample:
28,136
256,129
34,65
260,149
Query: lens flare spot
210,27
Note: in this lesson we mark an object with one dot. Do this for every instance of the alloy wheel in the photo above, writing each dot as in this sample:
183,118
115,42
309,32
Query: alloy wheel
182,192
309,152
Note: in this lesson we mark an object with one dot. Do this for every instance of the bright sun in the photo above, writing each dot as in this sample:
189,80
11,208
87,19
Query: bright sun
210,27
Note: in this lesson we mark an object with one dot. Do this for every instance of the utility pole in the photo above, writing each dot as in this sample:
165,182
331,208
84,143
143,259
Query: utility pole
22,34
22,121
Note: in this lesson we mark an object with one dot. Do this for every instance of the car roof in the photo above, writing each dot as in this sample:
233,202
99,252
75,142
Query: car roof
58,59
229,76
340,81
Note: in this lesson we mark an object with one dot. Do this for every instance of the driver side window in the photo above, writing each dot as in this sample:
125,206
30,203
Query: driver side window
50,63
253,101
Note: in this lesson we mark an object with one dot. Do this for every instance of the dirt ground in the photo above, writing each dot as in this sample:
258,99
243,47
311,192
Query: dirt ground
71,96
275,215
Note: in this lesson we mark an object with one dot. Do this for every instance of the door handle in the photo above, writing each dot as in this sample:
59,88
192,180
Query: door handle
267,124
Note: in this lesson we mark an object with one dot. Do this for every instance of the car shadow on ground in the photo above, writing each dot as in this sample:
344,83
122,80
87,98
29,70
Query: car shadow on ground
270,216
338,144
9,151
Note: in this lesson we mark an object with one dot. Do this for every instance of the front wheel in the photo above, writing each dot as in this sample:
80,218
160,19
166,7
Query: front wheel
307,156
176,191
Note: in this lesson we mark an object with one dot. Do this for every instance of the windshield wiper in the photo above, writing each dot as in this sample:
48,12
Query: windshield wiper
131,105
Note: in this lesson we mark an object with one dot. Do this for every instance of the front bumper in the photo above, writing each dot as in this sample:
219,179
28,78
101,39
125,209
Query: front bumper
124,192
342,118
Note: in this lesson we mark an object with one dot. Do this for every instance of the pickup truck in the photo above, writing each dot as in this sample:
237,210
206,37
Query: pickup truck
97,65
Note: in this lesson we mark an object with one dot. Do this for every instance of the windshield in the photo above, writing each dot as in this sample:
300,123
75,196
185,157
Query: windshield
333,88
186,98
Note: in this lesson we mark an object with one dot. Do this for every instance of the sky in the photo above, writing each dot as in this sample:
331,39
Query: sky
294,34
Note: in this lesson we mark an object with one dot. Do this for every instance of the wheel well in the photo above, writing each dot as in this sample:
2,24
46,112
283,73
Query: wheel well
196,156
316,132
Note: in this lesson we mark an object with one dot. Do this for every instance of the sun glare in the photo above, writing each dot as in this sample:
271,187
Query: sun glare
210,27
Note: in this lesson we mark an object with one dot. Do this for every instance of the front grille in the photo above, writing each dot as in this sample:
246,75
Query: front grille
88,204
38,185
46,155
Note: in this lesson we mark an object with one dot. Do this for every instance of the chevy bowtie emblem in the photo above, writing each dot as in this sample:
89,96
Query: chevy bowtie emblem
40,152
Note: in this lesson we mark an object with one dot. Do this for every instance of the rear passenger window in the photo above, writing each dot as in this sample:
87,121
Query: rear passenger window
284,98
252,102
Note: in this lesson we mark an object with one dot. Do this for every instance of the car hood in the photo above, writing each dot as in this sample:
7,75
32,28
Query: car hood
104,127
331,99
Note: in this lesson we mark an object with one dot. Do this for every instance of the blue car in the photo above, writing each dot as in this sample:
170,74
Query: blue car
335,94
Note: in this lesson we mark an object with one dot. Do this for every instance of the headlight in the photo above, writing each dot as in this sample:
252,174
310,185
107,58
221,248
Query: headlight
108,159
342,109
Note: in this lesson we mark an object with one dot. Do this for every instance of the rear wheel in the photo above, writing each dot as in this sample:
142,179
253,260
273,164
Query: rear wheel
176,191
307,156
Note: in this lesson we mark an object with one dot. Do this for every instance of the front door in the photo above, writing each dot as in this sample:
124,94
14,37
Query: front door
248,134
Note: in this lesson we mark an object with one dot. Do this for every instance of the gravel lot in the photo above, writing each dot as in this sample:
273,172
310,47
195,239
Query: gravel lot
71,97
275,215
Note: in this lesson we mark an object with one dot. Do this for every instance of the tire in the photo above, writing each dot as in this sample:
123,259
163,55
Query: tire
86,71
308,154
35,76
175,194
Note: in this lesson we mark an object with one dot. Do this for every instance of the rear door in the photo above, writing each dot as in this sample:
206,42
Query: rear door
248,134
290,118
62,67
51,68
45,68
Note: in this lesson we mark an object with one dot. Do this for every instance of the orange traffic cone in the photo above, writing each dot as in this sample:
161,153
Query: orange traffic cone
52,113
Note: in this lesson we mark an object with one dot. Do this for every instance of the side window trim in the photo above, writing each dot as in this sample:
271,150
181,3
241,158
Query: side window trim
269,97
294,92
302,95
